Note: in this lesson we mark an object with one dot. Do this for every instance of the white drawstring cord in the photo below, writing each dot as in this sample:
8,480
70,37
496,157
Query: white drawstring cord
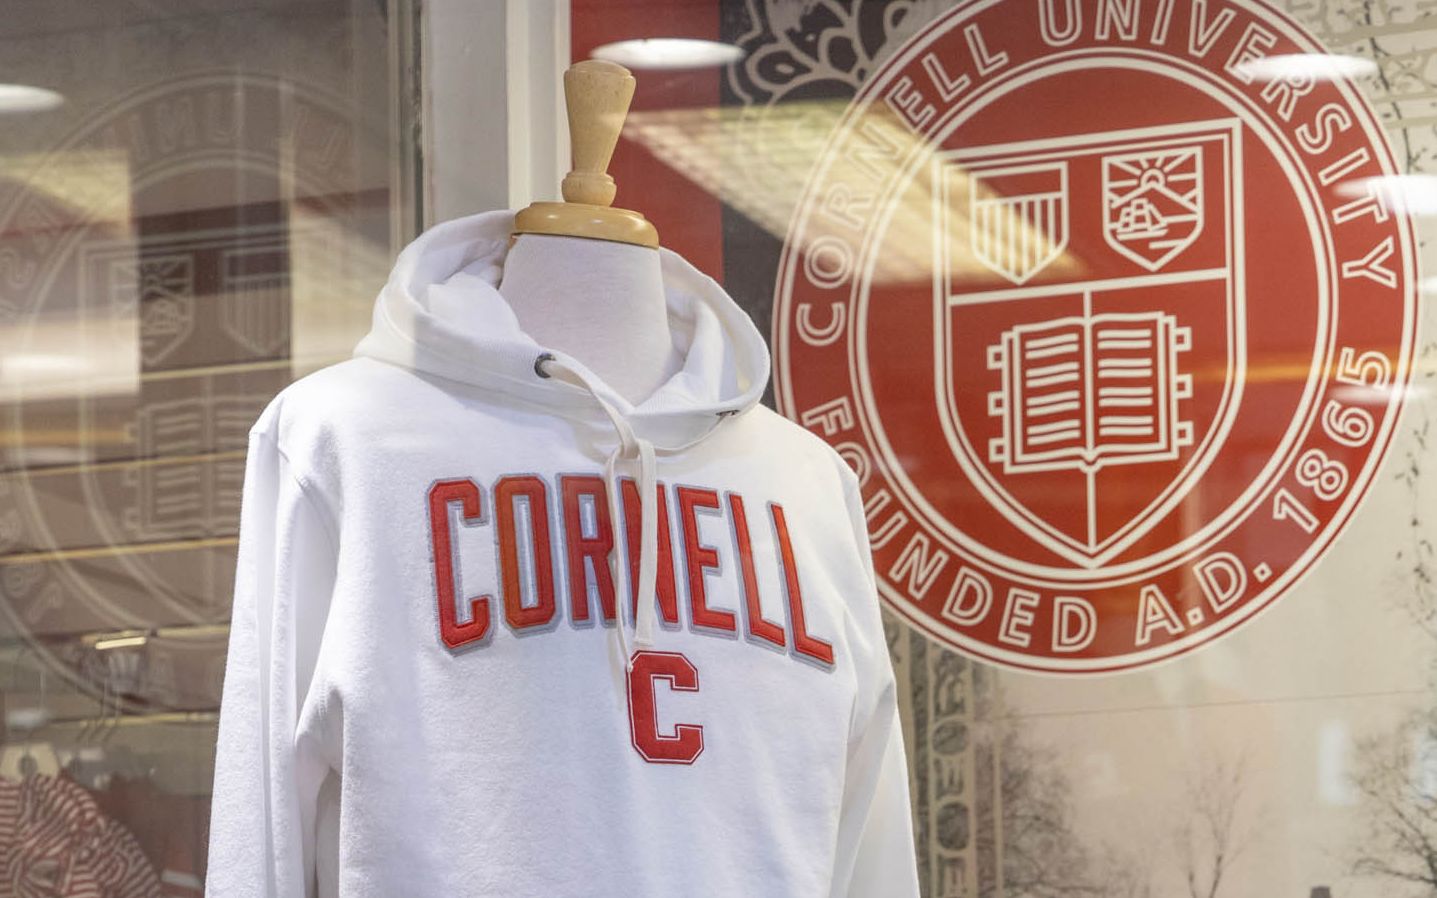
648,543
615,507
648,484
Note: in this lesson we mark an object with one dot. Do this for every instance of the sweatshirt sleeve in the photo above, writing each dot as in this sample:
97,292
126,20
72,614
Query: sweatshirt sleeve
876,852
267,773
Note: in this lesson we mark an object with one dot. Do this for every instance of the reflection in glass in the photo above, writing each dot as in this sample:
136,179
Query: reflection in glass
205,217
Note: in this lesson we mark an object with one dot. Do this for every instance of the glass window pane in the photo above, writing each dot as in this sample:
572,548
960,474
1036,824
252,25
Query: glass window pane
198,204
1113,307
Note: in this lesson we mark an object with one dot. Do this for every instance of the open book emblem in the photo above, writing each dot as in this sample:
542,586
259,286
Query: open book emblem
1086,388
1082,392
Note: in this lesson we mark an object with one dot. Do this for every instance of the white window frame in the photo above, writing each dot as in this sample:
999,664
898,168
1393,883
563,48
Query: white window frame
494,133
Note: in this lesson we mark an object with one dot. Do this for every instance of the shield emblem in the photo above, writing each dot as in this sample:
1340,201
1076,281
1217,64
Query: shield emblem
162,285
255,295
1019,218
1153,203
1069,375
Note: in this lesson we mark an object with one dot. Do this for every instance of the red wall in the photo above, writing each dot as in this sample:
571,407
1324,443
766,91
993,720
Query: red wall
688,217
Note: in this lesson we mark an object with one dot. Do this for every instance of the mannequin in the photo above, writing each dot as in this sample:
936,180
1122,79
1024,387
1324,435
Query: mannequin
599,301
582,277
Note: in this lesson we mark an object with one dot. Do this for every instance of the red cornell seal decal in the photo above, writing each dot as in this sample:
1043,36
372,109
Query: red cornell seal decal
1113,331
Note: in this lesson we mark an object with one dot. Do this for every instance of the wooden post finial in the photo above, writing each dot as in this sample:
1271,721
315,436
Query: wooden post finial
597,94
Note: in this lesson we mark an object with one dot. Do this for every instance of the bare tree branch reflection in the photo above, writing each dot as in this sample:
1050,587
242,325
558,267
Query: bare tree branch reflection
1043,856
1397,782
1216,828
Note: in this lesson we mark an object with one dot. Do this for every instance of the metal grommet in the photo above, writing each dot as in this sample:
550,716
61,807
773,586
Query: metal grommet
539,364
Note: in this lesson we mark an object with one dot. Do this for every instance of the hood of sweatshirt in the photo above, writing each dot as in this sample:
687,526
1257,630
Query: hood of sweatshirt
441,312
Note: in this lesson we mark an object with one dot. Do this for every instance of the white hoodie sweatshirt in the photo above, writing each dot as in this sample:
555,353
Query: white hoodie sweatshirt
427,694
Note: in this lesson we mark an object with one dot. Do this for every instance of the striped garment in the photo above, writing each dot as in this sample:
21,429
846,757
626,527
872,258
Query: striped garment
56,843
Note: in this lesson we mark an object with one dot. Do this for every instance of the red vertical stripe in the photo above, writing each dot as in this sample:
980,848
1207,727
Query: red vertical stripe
803,643
758,626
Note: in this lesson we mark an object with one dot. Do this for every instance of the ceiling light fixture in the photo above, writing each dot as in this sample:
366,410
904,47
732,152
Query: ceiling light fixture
668,53
1413,194
25,98
41,363
1314,66
26,718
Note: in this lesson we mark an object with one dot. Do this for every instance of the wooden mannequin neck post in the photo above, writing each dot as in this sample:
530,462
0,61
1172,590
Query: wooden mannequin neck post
582,277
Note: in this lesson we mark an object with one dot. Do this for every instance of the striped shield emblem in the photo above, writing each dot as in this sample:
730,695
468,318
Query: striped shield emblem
255,305
1020,218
